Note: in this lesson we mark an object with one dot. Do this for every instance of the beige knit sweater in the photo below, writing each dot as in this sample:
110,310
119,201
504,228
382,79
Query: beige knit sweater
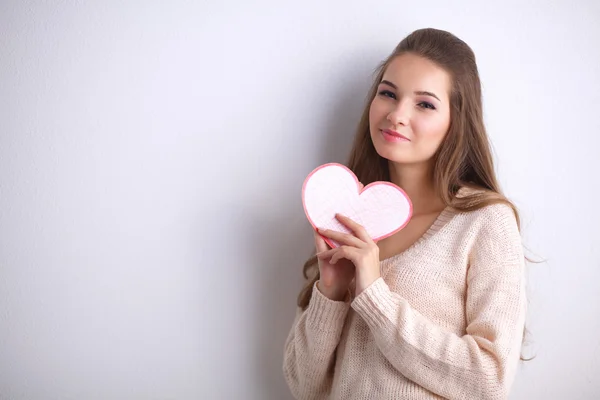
445,320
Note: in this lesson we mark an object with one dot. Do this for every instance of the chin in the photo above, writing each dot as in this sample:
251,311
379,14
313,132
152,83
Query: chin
392,153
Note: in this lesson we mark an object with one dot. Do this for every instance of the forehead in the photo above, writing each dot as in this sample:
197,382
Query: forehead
411,73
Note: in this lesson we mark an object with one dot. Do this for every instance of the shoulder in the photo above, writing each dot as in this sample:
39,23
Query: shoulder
497,214
496,236
490,227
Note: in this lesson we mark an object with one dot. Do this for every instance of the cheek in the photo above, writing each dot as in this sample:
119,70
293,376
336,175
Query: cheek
431,130
430,133
376,111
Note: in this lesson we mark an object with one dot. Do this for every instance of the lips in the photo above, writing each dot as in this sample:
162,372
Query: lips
394,136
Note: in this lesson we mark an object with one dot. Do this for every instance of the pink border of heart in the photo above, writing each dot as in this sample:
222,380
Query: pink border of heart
359,193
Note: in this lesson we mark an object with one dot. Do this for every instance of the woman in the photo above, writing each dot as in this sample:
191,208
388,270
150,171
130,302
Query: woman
438,309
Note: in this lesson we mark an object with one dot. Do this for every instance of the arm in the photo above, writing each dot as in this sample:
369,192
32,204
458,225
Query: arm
481,363
309,355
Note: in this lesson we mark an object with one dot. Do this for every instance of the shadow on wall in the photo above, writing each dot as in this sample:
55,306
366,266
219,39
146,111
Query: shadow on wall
284,253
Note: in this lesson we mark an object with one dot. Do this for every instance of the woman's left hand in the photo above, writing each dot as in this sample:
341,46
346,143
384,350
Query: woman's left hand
357,247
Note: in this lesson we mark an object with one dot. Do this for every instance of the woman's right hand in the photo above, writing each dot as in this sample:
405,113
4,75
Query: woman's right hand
335,278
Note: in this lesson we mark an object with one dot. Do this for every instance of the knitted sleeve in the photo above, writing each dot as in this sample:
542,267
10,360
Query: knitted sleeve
309,354
482,363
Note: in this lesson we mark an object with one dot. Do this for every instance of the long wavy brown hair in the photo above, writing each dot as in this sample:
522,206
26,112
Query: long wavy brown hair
464,158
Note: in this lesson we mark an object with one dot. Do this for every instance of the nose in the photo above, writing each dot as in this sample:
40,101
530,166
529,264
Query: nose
400,113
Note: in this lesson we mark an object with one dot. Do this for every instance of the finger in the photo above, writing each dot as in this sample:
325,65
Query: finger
336,257
320,243
344,238
360,186
349,253
359,231
327,254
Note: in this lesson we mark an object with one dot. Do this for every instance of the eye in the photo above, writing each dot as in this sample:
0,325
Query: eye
387,93
426,105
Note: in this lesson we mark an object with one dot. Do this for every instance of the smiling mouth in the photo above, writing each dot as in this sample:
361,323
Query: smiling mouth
393,136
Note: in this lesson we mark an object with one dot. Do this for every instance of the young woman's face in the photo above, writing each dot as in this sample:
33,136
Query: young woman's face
410,114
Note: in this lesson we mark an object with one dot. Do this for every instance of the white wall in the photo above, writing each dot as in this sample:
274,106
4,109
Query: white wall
152,155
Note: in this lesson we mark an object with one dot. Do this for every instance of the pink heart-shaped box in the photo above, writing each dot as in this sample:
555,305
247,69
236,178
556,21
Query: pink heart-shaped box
382,208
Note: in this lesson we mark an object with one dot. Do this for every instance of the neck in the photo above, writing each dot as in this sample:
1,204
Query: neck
417,181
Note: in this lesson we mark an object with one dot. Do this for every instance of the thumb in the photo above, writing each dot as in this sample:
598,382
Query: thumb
320,243
326,277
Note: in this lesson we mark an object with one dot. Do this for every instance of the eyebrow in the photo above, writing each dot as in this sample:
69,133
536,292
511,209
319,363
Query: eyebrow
419,92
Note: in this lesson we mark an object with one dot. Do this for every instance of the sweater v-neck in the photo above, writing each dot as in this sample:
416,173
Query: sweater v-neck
442,219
